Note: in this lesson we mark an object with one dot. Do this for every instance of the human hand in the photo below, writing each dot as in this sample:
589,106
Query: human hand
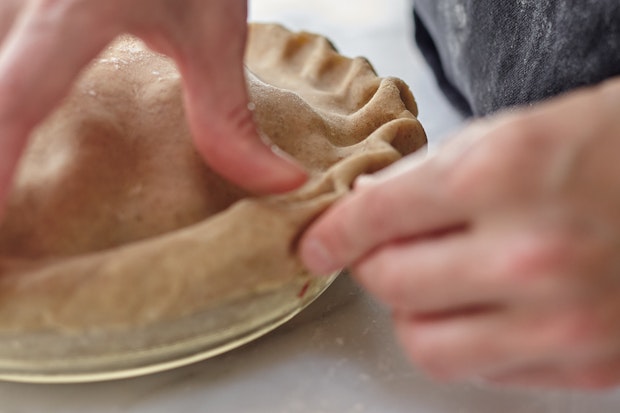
499,255
44,44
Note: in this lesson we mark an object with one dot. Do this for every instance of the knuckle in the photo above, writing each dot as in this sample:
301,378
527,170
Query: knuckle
580,331
427,354
382,278
366,273
524,133
552,256
240,119
489,169
474,175
563,255
376,202
520,133
542,258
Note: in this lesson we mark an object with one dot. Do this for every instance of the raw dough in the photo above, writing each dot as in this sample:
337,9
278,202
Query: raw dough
115,221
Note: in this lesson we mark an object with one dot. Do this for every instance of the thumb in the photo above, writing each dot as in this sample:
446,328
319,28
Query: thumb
211,61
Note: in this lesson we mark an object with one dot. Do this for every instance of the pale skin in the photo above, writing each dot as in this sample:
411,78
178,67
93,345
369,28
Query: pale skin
497,253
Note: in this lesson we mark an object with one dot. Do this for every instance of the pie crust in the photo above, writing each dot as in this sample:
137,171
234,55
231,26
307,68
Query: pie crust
114,221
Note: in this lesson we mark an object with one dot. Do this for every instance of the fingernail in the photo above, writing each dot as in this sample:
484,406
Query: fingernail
317,258
291,165
364,181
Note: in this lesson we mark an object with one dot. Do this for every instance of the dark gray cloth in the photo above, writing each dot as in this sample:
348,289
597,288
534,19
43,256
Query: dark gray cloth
492,54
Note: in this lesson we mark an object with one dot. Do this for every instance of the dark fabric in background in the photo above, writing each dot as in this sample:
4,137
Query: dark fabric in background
492,54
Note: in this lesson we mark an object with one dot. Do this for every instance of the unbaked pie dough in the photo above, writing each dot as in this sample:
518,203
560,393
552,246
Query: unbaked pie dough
115,221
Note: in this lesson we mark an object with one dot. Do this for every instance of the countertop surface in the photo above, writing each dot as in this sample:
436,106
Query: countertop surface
339,354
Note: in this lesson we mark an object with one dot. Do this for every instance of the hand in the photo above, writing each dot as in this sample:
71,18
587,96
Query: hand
499,255
44,44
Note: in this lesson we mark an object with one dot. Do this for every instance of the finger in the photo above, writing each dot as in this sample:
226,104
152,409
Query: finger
596,377
473,344
37,68
210,56
227,138
518,259
409,205
436,275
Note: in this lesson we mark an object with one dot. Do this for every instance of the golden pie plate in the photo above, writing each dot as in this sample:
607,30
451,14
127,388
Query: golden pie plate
109,355
122,253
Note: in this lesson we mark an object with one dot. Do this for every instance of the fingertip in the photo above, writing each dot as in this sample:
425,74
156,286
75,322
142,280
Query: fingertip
364,181
330,244
281,173
251,165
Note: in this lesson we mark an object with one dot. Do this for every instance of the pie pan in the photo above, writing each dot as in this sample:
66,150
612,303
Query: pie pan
123,254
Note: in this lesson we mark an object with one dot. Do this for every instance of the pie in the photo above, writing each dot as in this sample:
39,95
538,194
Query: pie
115,222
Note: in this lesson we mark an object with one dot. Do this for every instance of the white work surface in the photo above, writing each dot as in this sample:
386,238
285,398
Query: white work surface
339,355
